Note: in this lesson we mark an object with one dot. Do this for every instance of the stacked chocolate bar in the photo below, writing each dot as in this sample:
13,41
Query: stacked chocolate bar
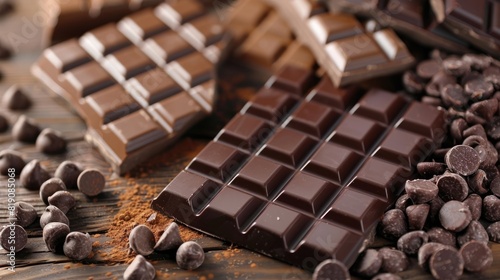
142,82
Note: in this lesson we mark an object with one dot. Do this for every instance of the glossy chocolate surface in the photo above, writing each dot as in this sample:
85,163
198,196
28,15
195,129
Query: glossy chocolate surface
303,180
141,82
414,18
341,45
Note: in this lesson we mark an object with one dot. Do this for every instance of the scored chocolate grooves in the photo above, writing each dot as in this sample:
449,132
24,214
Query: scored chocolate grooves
304,192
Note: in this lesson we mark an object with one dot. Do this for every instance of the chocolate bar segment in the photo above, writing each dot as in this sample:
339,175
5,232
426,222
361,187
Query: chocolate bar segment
477,22
265,41
341,45
299,179
413,18
67,19
142,82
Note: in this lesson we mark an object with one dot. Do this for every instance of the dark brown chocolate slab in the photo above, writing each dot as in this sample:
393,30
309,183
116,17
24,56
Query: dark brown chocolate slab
302,180
340,44
142,82
413,18
477,22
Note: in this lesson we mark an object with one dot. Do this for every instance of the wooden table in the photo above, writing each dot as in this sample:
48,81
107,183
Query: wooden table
95,215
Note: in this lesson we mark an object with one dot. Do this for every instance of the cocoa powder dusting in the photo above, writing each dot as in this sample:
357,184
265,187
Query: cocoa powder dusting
135,209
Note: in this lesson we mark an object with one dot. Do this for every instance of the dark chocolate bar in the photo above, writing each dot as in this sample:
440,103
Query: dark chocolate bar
414,18
478,22
142,82
341,45
305,171
265,41
72,18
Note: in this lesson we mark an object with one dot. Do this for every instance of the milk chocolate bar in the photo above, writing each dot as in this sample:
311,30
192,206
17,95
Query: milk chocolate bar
478,22
414,18
305,171
72,18
142,82
341,45
265,41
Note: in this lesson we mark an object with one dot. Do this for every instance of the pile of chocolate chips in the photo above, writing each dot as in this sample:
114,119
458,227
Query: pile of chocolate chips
452,211
189,255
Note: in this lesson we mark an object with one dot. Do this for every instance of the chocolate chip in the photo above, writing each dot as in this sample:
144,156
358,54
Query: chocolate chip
25,213
479,89
403,202
438,55
170,239
442,236
54,235
475,203
421,191
417,215
435,206
438,81
50,187
68,172
485,109
13,238
11,160
412,82
63,200
4,51
50,142
491,173
471,76
477,61
475,231
457,128
426,251
77,245
491,208
494,232
33,175
190,256
429,169
453,96
476,129
6,6
455,216
53,214
386,276
477,256
91,182
368,263
142,240
25,130
495,186
455,66
4,123
139,269
463,160
488,155
393,224
452,187
478,182
493,128
393,261
446,263
428,68
16,99
410,242
471,118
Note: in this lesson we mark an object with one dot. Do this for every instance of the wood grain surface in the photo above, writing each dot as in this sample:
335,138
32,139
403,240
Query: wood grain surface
223,261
